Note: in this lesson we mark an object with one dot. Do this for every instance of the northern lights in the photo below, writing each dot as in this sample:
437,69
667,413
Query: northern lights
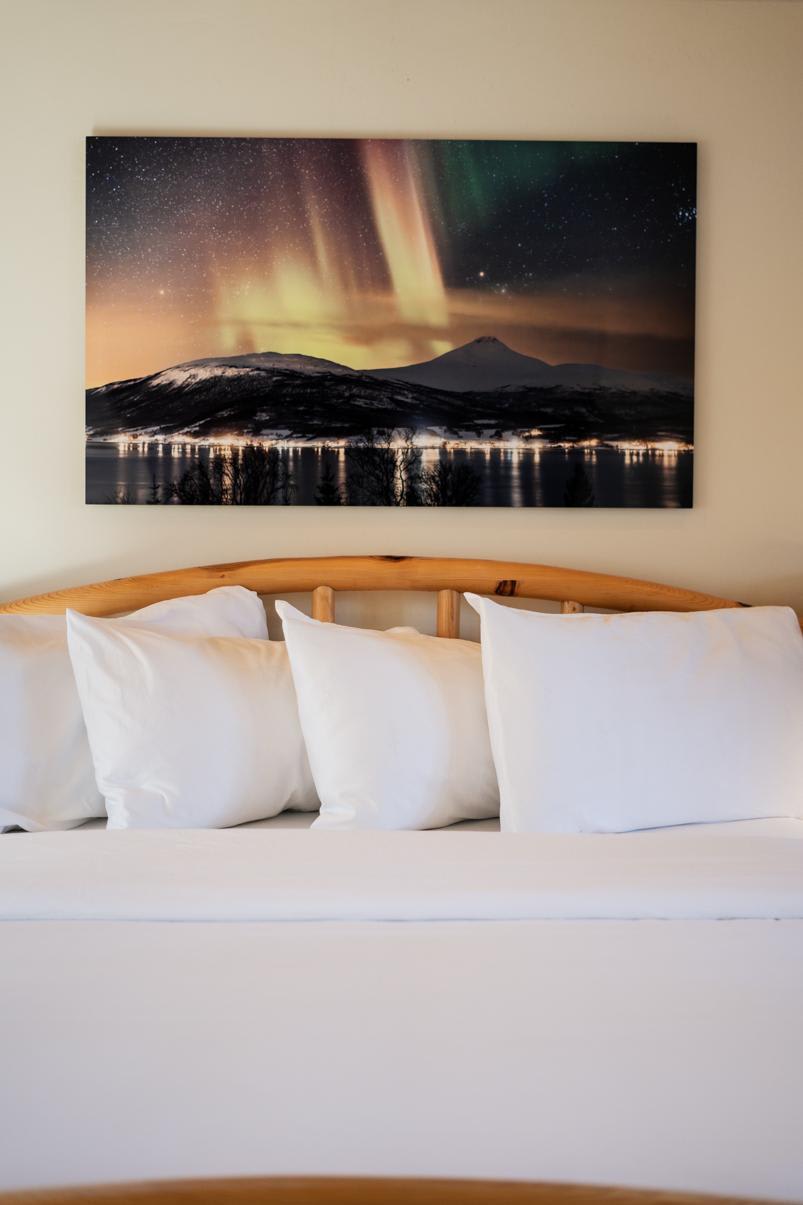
375,253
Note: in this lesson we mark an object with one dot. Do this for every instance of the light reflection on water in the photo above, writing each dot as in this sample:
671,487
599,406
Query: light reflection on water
509,476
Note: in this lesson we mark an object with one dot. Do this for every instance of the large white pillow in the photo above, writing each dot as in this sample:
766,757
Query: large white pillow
394,723
47,780
605,723
189,731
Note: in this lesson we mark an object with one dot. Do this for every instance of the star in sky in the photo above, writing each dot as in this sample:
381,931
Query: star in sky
375,252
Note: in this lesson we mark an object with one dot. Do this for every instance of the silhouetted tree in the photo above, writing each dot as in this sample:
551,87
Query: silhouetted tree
251,476
328,491
197,486
579,490
384,469
154,492
449,484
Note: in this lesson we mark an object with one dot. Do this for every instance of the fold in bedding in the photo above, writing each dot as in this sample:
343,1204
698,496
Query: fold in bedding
281,875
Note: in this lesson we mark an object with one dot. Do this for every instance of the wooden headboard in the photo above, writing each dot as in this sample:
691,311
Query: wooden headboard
357,1191
448,577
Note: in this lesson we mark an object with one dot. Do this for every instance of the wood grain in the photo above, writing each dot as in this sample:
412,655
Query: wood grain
448,617
323,604
501,578
357,1191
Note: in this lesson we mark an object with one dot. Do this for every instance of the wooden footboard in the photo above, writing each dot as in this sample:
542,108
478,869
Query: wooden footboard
358,1191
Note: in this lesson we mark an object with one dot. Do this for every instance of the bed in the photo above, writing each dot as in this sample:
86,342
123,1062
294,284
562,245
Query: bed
463,1003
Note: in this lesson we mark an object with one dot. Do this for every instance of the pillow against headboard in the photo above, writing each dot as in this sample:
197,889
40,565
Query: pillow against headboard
606,723
189,731
47,780
394,724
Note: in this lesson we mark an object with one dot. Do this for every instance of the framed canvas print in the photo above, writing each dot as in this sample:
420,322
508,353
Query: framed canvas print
390,322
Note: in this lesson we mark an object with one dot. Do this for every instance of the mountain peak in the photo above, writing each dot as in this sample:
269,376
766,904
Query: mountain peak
487,349
484,363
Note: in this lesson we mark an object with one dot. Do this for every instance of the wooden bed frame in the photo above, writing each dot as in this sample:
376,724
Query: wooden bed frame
574,589
358,1191
323,576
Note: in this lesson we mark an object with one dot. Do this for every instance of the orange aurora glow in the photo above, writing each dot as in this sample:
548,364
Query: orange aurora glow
356,263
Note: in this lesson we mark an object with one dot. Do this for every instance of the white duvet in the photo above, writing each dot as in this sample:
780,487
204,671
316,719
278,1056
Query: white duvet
616,1009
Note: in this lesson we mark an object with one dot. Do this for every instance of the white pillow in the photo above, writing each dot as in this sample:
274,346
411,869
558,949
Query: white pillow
46,776
605,723
189,731
394,723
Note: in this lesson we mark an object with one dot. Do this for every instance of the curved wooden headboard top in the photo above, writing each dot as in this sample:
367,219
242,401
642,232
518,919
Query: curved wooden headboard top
447,576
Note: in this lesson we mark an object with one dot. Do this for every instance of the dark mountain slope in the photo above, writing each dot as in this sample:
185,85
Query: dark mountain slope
300,398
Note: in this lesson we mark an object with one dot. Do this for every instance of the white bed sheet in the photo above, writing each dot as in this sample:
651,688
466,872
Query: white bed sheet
777,826
247,874
306,1036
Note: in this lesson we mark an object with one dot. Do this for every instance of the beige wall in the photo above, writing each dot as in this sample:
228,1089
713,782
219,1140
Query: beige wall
724,72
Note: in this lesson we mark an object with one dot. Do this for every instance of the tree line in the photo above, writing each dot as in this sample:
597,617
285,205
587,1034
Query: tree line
383,468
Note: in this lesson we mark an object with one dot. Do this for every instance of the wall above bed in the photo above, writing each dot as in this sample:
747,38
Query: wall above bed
720,72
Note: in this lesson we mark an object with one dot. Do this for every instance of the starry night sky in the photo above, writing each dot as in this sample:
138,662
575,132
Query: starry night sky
376,253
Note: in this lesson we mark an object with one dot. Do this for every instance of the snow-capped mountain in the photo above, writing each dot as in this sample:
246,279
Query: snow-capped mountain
488,363
296,396
482,390
217,367
261,361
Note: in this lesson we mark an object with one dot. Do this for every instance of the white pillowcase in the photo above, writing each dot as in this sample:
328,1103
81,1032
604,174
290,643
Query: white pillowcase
47,780
188,731
394,723
605,723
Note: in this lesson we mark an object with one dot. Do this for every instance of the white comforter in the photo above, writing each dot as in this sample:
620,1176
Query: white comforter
612,1009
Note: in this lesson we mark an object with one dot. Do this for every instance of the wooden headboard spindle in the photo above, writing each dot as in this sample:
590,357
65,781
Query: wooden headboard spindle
323,604
448,616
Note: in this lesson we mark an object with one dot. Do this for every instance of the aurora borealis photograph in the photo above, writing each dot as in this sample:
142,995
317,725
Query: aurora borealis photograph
389,322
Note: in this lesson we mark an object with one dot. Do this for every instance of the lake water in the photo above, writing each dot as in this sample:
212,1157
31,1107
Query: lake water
509,476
